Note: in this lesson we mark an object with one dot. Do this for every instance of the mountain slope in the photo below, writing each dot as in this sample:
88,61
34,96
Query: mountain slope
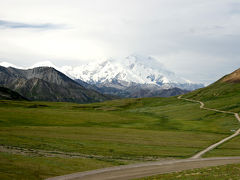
134,91
48,84
232,78
224,94
229,85
7,94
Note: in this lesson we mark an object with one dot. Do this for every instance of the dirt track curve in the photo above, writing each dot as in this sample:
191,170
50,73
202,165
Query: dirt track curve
132,171
198,155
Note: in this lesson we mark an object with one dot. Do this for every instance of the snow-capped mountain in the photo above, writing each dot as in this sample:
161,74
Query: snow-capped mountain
133,76
127,72
6,64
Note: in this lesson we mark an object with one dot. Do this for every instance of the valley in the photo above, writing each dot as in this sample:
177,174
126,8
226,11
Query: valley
119,90
114,132
56,138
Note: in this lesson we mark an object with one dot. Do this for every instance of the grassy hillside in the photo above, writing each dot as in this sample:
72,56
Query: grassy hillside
223,94
113,132
220,95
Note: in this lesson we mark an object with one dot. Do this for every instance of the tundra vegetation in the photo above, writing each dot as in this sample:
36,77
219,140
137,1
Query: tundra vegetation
44,139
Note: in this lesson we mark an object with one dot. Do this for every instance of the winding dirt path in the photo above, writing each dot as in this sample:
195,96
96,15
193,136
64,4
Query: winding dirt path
147,169
158,167
198,155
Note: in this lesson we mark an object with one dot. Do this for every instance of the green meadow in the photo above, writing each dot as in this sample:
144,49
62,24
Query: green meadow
15,166
103,134
230,148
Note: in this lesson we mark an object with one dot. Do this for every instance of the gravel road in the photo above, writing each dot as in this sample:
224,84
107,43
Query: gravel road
147,169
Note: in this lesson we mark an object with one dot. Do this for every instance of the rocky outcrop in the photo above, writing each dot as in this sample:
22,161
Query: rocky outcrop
7,94
47,84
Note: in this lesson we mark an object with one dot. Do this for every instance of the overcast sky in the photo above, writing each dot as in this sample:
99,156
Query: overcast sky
197,39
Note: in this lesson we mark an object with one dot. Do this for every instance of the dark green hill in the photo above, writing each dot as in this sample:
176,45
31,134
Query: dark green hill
228,86
223,94
7,94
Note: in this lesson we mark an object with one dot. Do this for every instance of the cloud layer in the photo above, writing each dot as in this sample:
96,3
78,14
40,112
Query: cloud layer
19,25
198,39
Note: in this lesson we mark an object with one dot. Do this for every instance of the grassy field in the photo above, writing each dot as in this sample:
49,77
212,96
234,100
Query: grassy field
119,128
230,148
17,167
212,173
105,134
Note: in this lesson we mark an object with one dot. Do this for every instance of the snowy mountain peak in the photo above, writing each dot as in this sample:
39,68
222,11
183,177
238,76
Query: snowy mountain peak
6,64
134,69
130,70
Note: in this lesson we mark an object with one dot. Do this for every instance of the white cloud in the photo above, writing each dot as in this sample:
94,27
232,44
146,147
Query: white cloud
195,38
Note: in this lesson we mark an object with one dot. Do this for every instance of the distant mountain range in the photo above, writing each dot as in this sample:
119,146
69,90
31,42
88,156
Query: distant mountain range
47,84
132,77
